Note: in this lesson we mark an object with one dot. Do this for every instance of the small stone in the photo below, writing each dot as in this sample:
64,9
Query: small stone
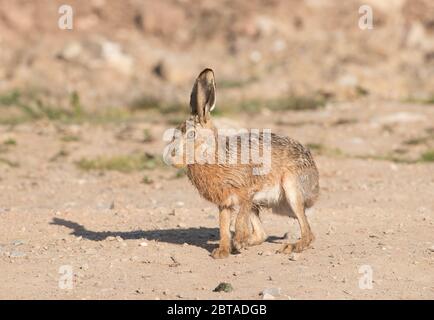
143,244
71,51
17,242
110,238
267,296
181,225
119,238
431,248
293,256
17,254
224,286
270,293
179,204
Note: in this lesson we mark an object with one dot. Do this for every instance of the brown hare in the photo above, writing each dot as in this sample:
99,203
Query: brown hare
288,183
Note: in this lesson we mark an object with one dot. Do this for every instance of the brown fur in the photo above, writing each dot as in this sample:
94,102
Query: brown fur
289,187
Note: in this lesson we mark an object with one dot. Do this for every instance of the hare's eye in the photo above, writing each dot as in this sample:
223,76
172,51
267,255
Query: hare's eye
191,134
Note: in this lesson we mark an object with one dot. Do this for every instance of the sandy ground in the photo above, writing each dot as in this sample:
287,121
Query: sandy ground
124,239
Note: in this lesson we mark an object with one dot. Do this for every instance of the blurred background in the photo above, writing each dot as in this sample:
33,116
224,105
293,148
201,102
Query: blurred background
82,116
140,53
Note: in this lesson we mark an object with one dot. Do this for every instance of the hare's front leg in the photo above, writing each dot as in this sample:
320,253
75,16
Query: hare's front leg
225,235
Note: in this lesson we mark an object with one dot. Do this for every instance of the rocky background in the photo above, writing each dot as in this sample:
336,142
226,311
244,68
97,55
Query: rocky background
121,53
83,112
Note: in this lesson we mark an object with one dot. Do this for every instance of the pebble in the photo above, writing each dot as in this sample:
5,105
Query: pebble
143,244
181,225
293,256
431,248
265,253
224,286
267,296
17,242
270,293
110,238
17,254
119,238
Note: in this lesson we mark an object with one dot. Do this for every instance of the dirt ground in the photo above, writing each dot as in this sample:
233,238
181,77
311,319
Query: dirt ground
126,237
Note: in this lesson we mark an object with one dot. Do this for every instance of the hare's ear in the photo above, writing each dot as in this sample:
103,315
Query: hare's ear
203,97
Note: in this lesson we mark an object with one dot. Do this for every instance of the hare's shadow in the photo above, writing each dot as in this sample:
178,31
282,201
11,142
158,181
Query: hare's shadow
193,236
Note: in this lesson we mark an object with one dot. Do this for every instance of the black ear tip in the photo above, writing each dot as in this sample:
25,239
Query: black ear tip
207,73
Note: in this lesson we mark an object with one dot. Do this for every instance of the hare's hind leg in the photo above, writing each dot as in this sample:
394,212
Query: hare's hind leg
294,196
225,234
248,228
258,234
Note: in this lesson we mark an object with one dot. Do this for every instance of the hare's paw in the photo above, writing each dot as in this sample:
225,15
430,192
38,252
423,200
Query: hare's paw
297,247
220,253
240,242
291,247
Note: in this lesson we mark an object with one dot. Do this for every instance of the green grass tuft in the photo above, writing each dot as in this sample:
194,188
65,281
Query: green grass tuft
10,142
427,156
147,180
123,163
70,138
